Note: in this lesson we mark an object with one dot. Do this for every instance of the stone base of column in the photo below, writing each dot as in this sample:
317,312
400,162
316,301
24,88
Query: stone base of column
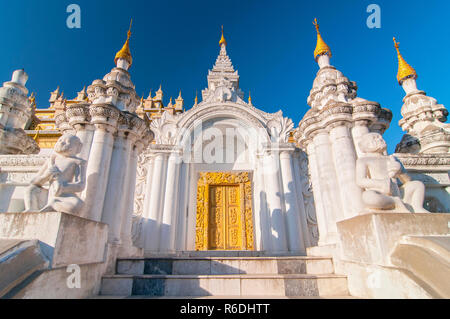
330,238
129,251
322,250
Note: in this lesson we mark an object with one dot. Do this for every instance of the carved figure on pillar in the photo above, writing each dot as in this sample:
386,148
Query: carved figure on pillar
66,174
377,173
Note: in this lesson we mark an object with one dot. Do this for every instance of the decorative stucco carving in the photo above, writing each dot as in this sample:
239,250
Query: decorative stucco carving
308,197
279,128
165,128
139,195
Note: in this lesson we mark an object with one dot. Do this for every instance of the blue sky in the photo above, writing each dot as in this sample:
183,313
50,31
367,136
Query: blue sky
271,44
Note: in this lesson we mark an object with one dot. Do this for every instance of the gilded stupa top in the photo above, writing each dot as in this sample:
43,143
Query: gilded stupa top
222,39
321,47
125,52
405,71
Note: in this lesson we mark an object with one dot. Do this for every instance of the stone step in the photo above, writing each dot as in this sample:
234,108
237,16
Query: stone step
216,285
228,297
225,266
214,253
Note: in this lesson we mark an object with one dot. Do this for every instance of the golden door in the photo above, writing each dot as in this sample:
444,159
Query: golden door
224,218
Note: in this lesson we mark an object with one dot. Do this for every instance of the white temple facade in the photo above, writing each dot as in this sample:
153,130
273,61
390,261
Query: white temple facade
223,146
223,199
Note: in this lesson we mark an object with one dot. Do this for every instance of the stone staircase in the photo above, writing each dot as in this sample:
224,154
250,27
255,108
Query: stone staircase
230,277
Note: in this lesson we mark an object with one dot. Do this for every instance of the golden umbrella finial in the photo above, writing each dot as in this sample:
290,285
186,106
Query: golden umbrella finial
32,100
405,71
222,39
125,52
321,47
196,98
129,30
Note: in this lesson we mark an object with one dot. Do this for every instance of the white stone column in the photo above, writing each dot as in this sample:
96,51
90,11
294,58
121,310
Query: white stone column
171,199
128,206
117,187
152,224
149,161
322,223
273,192
344,155
182,208
98,171
328,184
85,132
262,223
78,117
294,236
192,208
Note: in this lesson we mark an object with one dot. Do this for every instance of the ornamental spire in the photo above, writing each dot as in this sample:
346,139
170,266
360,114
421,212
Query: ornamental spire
405,71
222,39
321,48
125,53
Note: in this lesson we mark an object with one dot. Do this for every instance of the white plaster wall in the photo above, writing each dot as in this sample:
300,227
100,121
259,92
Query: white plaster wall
241,152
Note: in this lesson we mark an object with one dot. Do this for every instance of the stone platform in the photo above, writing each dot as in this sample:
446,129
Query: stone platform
65,239
225,276
37,248
395,255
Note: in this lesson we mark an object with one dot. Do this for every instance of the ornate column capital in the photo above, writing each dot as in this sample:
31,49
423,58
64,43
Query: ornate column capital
277,148
105,114
78,114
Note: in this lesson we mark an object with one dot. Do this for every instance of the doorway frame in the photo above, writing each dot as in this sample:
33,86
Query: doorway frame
207,179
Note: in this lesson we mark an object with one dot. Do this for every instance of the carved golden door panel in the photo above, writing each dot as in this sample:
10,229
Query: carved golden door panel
225,226
224,212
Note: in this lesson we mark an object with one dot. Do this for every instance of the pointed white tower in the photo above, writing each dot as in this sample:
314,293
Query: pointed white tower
223,80
15,112
329,133
116,88
423,118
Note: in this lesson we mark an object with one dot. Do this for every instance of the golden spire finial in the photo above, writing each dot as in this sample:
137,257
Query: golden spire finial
249,97
196,98
321,47
125,52
32,100
222,39
405,71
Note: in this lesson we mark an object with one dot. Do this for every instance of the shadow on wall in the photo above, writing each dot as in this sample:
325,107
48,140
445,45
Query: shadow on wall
6,193
268,219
